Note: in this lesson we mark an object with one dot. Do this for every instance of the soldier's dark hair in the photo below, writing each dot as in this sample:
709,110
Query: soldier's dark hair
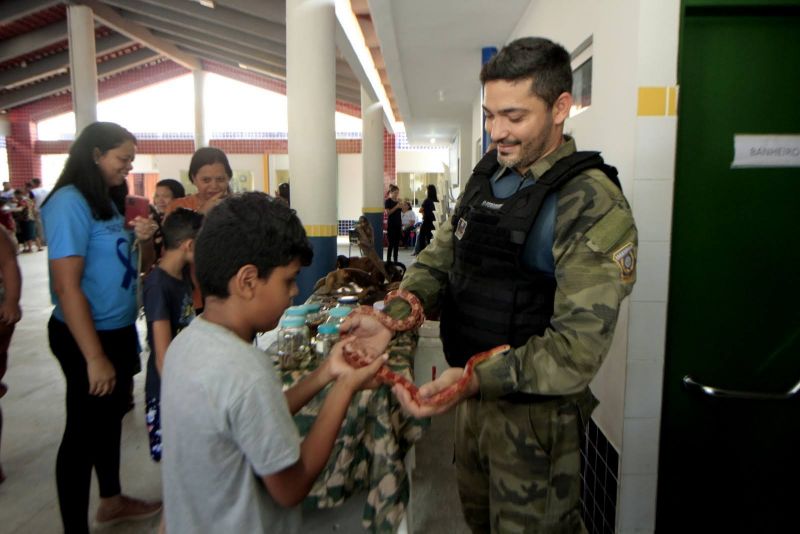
247,229
544,62
81,169
208,156
182,224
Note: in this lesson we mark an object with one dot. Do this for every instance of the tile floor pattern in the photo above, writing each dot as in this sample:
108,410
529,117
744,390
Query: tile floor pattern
33,415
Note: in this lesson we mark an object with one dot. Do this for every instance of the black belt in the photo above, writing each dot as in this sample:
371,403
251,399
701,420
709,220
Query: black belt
529,398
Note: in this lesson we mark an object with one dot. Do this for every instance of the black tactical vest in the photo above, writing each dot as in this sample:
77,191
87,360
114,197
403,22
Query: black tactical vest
491,298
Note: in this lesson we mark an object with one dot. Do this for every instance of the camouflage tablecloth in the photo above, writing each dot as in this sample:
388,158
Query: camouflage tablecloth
371,448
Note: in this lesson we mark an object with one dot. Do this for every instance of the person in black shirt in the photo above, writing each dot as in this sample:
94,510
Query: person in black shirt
394,223
428,217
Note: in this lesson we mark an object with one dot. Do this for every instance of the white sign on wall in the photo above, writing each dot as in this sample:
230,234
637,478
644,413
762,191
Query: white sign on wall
766,151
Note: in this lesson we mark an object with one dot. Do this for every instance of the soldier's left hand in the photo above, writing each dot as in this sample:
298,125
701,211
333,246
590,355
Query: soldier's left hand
445,380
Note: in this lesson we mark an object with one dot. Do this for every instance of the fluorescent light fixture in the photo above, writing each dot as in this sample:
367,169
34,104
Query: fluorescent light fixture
206,3
351,28
433,140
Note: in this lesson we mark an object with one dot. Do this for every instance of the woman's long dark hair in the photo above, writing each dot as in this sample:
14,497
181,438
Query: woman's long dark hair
432,193
82,171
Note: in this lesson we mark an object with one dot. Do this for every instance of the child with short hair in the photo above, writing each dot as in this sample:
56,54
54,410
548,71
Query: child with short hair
234,461
167,296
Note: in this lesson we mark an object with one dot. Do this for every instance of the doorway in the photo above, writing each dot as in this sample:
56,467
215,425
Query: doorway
733,321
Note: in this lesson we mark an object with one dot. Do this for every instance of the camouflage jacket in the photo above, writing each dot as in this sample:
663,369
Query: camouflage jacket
594,249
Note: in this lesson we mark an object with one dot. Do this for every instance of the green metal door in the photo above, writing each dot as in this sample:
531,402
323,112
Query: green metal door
729,460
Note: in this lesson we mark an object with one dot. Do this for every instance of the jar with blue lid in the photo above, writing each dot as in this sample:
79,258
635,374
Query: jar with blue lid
327,336
315,316
337,315
294,342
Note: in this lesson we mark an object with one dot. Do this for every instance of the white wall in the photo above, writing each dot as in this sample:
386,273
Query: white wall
421,160
635,44
608,125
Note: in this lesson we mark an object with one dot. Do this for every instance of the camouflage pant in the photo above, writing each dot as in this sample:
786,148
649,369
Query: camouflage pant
518,465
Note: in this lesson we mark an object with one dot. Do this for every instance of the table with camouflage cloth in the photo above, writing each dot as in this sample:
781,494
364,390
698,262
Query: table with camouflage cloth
370,451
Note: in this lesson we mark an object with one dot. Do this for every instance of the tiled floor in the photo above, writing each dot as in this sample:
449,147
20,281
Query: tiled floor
34,420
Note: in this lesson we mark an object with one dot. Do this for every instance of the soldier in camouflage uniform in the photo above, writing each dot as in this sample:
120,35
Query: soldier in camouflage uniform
549,281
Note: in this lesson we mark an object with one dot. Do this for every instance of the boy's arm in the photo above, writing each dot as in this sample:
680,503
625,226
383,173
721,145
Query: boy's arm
298,395
291,485
162,336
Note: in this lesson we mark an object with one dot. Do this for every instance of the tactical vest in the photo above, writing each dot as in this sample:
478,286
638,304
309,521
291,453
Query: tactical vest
491,298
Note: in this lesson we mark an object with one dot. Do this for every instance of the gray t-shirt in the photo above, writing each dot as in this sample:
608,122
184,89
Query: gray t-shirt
225,423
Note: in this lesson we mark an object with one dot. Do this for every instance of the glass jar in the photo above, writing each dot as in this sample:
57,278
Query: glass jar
336,315
315,316
294,342
350,301
296,311
327,336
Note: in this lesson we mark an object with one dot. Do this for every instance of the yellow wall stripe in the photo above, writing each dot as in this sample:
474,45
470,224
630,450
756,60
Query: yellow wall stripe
321,230
657,101
372,210
652,101
672,101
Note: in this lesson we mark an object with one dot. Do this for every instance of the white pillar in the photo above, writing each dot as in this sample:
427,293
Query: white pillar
82,65
372,152
311,95
372,165
200,133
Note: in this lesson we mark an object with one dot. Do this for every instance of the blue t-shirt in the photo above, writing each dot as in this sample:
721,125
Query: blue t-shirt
165,298
109,272
538,252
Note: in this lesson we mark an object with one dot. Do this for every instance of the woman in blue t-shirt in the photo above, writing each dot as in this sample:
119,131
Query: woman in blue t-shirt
93,277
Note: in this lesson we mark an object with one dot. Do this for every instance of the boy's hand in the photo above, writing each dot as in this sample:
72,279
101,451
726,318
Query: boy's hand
354,378
370,333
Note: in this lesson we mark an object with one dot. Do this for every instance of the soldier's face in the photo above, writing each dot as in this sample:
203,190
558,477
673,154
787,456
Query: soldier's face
521,124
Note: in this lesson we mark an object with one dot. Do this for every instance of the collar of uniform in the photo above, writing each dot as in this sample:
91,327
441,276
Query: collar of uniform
543,165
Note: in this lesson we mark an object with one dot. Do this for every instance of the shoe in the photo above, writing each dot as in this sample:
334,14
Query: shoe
129,509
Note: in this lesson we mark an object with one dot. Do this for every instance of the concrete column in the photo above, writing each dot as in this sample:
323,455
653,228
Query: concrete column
372,166
311,95
200,132
82,65
23,161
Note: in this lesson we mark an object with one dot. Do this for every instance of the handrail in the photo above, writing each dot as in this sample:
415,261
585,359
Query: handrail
692,385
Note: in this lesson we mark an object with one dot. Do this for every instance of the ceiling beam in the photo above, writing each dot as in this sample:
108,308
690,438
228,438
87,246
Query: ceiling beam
343,85
253,60
180,35
11,11
50,65
62,83
31,41
172,23
271,11
232,20
114,20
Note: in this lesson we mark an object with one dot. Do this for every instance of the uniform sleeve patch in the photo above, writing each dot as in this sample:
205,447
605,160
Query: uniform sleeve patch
625,258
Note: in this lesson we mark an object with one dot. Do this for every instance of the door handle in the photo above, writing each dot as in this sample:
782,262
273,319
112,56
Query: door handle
691,384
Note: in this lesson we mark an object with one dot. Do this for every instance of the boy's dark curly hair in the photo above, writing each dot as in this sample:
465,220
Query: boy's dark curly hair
182,224
247,229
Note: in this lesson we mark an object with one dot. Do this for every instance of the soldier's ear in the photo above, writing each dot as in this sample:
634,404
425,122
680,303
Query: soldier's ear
561,108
